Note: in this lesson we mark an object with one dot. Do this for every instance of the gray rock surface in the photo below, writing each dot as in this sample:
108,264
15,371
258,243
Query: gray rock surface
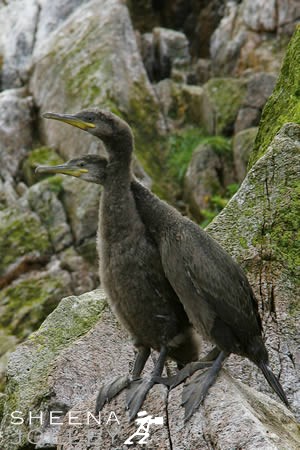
208,174
249,32
259,89
18,21
81,202
64,78
242,146
223,98
15,129
259,228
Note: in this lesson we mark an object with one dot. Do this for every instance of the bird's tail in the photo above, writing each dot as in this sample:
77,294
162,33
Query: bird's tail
273,382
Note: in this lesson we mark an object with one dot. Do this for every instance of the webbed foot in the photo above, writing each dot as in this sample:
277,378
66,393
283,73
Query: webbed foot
136,394
109,390
188,370
196,390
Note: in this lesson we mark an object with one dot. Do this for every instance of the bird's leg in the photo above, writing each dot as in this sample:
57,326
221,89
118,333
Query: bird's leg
109,390
195,391
189,369
138,389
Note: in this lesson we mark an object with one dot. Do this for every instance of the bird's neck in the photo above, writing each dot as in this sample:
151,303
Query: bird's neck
119,159
153,211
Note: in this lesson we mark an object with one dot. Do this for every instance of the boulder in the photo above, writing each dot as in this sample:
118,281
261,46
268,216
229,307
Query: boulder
259,89
18,31
23,238
16,119
208,174
283,105
42,198
81,202
37,156
222,100
93,59
171,51
249,35
181,103
64,359
242,146
288,15
77,348
26,302
260,228
258,16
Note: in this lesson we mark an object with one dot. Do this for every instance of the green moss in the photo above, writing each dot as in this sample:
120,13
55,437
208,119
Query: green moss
217,203
284,234
84,83
41,155
225,95
25,304
20,233
182,144
284,104
2,401
29,387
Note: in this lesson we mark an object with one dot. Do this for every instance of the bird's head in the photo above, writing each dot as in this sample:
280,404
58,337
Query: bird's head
90,168
98,122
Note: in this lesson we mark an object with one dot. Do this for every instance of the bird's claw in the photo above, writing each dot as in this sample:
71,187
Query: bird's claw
136,394
109,390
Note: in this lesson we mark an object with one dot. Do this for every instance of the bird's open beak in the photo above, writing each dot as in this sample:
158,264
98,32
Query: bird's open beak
66,169
72,120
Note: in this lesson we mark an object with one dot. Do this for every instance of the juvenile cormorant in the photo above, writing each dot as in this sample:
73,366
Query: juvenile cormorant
214,291
130,265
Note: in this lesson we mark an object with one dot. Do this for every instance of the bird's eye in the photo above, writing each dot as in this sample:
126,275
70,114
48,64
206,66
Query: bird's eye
81,164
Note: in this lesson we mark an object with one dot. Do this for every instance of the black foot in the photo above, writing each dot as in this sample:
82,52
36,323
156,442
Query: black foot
109,390
136,394
196,390
183,374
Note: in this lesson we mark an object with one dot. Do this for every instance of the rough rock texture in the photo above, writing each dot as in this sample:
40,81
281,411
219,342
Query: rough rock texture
96,52
283,105
208,174
250,33
15,129
260,229
181,103
259,89
65,360
222,101
40,155
242,146
81,201
21,233
165,54
17,40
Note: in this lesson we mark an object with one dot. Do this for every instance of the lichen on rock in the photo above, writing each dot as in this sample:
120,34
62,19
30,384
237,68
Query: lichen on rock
284,104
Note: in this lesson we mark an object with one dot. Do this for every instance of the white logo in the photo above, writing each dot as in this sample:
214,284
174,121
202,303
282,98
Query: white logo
144,421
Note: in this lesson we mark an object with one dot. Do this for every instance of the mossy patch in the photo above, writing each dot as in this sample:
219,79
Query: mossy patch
39,156
26,303
21,233
225,96
33,361
182,144
284,104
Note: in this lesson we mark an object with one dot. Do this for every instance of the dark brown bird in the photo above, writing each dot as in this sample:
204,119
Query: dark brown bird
214,291
130,266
